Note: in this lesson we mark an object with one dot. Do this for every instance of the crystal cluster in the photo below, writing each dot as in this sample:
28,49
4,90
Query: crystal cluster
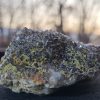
40,61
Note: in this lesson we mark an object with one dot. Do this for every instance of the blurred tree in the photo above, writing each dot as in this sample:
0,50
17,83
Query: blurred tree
85,14
22,9
61,7
12,11
32,10
52,14
59,27
1,23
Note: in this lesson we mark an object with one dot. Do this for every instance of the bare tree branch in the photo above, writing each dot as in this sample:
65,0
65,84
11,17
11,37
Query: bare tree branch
1,23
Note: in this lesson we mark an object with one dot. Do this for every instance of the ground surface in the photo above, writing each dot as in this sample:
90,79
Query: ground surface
85,90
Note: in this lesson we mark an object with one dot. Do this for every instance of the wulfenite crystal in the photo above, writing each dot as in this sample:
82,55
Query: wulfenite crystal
40,61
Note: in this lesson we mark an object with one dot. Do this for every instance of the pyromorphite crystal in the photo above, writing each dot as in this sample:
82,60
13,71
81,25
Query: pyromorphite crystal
40,61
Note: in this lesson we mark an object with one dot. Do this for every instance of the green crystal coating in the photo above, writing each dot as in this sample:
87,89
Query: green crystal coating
38,61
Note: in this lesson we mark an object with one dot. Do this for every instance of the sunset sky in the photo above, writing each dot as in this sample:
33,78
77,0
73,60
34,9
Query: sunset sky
43,18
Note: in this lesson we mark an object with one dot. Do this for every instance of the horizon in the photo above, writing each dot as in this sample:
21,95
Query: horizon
44,20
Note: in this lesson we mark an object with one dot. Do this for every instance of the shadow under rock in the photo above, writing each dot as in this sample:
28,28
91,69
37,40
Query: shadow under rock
79,91
1,54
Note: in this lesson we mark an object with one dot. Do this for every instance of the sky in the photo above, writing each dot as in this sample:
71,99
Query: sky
43,17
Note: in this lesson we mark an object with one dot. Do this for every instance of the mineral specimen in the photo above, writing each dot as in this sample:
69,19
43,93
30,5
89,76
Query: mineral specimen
40,61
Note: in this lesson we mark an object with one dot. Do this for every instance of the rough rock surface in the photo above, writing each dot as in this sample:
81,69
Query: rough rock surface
40,61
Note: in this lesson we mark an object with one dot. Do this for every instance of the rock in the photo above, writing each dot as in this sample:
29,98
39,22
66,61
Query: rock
40,61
